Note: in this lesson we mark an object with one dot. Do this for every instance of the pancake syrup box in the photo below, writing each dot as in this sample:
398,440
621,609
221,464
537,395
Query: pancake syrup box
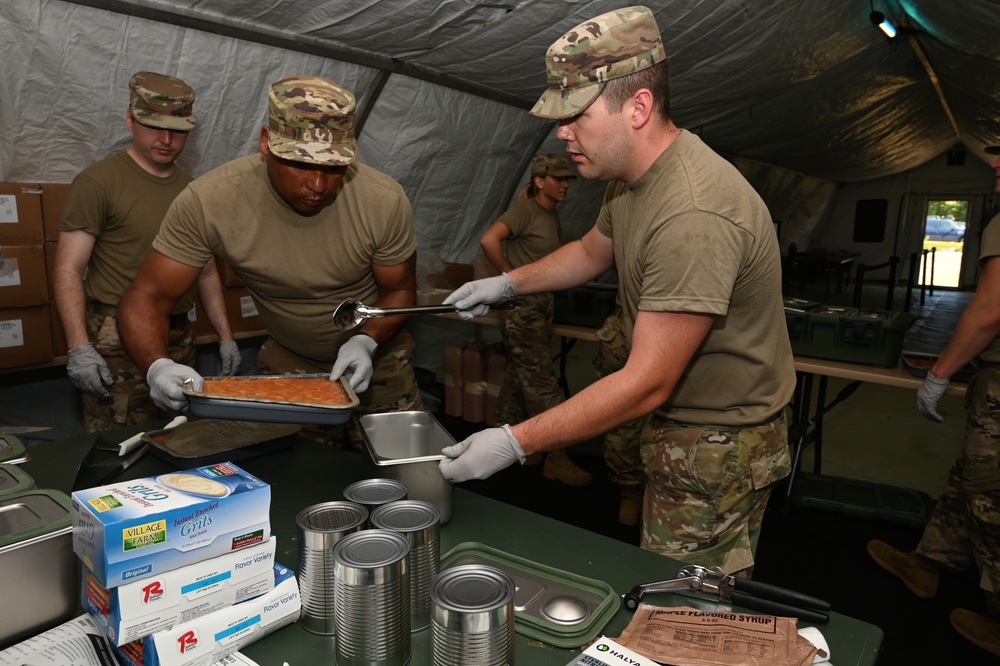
135,610
134,530
210,638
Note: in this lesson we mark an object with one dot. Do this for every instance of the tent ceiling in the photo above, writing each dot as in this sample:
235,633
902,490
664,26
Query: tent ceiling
808,85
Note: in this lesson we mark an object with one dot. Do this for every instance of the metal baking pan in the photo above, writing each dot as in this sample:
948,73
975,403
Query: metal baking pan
272,411
550,605
919,364
210,441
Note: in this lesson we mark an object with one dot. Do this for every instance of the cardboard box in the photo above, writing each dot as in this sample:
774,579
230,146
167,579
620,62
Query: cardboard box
212,637
452,380
53,200
226,273
496,367
59,345
21,214
242,311
138,529
23,276
474,383
25,336
202,326
50,266
135,610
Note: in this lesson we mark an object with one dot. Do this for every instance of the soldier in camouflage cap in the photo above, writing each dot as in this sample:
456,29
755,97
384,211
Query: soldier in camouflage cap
161,101
583,60
550,164
311,119
709,371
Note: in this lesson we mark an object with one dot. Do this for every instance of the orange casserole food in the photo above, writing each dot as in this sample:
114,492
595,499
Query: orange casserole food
312,390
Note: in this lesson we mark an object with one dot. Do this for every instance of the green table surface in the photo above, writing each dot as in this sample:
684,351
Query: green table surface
306,473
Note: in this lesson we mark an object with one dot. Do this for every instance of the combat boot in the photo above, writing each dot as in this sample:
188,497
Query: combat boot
982,630
917,572
630,506
534,458
559,467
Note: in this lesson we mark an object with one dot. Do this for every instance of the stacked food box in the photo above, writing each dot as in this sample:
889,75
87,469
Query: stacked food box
179,569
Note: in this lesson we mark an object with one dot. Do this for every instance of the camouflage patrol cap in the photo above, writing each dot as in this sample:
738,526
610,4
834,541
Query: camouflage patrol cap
579,63
162,101
311,119
550,164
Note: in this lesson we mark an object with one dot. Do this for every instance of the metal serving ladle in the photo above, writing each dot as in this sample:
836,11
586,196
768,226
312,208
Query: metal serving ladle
352,312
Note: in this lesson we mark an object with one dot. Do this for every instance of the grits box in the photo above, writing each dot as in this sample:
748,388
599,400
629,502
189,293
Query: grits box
209,638
137,529
135,610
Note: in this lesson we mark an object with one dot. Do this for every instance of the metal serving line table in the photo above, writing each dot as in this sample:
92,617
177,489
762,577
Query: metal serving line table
306,473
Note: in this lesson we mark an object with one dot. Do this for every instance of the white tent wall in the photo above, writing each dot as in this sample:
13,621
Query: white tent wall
907,195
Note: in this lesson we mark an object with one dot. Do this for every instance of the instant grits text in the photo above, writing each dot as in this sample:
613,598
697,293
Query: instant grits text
137,529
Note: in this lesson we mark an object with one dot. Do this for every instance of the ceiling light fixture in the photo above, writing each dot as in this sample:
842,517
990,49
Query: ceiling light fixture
879,19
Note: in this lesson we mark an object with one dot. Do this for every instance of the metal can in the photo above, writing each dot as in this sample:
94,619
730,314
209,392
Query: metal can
472,617
320,528
372,600
373,493
420,523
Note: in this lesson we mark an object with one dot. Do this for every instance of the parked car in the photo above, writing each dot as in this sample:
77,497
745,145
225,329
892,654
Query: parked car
941,229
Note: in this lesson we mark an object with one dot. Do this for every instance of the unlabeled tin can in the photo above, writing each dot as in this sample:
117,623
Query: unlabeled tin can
420,523
373,493
320,527
372,580
472,617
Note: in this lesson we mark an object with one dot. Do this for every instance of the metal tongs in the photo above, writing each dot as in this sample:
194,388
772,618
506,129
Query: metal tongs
352,312
716,585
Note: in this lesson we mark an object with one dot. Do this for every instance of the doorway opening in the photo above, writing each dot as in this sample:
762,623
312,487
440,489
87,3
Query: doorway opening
944,232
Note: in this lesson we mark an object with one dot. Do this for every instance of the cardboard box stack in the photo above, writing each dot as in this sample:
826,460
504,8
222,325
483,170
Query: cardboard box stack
25,313
179,569
473,375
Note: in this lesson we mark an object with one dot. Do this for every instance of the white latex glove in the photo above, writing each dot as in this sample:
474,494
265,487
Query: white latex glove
929,395
481,455
88,371
355,361
229,352
473,299
166,382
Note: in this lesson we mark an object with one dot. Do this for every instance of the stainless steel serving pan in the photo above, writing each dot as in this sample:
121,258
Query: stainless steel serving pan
272,411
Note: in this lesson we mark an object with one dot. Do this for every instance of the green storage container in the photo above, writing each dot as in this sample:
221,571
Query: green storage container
588,305
13,480
863,499
12,450
853,335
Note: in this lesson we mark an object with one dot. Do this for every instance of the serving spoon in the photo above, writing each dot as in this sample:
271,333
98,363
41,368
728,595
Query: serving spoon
352,312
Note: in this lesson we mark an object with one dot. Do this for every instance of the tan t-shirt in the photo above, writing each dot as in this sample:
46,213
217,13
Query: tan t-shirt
991,248
691,235
123,205
534,232
297,268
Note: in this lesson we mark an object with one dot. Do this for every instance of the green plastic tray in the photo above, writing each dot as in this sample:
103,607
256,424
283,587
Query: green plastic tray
599,597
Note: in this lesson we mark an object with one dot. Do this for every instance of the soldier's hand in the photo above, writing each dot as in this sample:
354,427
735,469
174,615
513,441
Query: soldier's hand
166,383
473,299
481,455
229,352
929,395
355,361
88,371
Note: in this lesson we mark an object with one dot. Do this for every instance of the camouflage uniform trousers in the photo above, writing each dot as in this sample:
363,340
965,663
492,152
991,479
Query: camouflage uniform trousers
393,386
621,445
707,488
129,402
529,386
964,530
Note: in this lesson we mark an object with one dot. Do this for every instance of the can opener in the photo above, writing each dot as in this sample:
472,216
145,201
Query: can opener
716,585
